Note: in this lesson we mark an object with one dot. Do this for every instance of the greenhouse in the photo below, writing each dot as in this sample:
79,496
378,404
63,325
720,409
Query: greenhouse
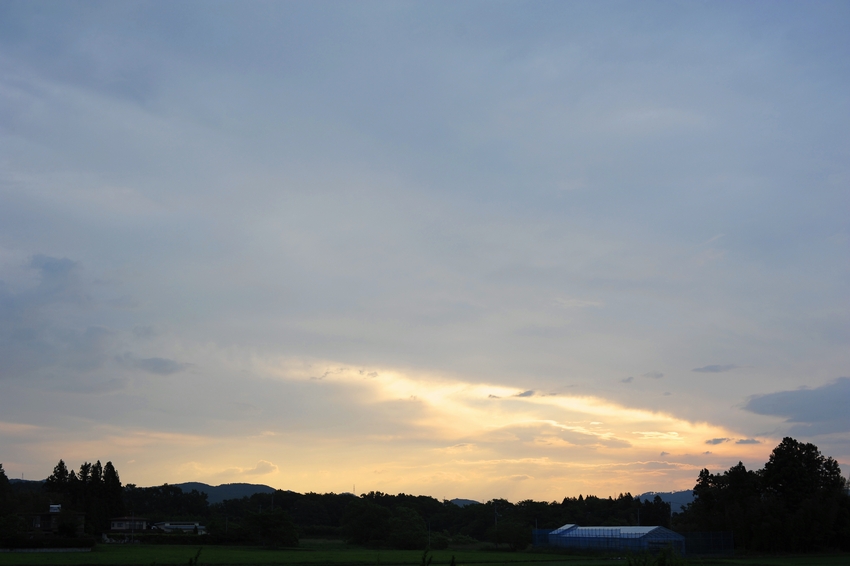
633,539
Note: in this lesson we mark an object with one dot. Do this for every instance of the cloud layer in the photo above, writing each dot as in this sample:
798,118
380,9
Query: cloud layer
446,248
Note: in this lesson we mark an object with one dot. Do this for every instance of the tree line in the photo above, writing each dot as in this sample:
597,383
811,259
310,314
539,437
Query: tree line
797,502
280,518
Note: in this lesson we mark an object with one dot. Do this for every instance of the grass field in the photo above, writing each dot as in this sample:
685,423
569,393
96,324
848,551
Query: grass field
320,554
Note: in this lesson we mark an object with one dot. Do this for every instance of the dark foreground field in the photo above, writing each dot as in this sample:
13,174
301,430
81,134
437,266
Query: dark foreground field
324,554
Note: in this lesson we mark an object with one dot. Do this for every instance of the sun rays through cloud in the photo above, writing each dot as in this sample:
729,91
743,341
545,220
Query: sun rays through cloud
460,433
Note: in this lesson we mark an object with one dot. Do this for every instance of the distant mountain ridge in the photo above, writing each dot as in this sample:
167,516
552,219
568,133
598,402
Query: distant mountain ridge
218,493
676,499
27,485
215,493
465,502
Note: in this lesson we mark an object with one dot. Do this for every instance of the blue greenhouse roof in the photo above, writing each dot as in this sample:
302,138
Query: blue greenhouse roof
572,530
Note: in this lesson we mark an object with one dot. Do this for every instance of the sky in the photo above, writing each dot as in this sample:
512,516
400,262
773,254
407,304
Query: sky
526,250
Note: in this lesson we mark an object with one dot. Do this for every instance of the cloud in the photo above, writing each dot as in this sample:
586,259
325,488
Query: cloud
199,470
520,477
458,448
664,454
627,379
93,387
578,303
245,408
717,440
529,393
52,268
715,368
13,428
58,278
706,453
42,324
546,433
159,366
822,410
262,467
653,375
659,435
748,441
143,331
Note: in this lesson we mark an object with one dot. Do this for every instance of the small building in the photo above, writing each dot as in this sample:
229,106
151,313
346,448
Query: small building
185,527
616,539
128,524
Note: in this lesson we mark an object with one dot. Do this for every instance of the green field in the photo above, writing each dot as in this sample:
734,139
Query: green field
321,554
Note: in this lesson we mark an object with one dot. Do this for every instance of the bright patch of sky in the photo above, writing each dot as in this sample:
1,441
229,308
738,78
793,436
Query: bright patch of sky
477,250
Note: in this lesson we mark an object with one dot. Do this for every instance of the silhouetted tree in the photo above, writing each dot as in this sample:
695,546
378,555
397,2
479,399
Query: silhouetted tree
112,491
57,482
654,513
5,493
796,472
96,491
83,486
796,503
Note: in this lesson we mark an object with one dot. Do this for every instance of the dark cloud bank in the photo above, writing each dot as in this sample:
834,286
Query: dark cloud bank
822,410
